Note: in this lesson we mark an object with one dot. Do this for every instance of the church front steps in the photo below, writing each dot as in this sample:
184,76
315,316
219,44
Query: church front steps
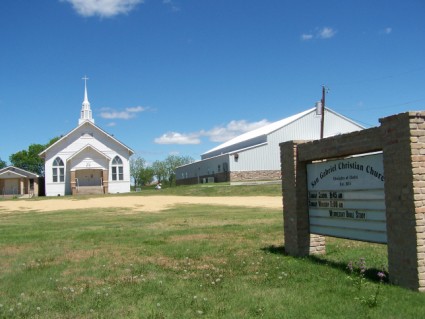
89,190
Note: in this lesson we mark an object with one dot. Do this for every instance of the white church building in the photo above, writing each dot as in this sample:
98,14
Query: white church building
87,160
254,157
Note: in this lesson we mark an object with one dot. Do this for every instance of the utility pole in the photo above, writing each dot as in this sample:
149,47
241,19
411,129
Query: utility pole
322,121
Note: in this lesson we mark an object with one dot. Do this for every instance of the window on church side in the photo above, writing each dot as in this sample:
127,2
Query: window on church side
117,169
58,171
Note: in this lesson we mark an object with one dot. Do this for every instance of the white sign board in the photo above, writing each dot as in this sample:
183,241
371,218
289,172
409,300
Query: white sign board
346,198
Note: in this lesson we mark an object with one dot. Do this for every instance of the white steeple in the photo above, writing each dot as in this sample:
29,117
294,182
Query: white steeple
86,114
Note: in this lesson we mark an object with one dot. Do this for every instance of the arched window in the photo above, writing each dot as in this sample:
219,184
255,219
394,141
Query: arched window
58,170
117,169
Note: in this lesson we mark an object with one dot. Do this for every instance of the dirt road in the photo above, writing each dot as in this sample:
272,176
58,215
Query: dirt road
137,203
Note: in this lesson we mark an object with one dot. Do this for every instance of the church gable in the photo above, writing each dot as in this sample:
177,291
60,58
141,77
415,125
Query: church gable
87,134
88,158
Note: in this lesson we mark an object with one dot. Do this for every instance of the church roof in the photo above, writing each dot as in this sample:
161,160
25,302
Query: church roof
16,171
43,153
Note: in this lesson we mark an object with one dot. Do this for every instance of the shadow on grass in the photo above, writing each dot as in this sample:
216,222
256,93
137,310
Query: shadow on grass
370,274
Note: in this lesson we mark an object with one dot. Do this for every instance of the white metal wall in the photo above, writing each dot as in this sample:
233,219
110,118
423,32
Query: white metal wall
202,168
267,156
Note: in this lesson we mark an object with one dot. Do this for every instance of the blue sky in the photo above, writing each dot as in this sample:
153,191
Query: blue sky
181,76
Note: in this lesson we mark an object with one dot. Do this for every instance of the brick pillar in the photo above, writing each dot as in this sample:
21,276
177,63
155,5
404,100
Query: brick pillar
404,166
298,240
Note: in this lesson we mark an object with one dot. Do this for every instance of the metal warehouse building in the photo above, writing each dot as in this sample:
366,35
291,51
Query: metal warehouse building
254,156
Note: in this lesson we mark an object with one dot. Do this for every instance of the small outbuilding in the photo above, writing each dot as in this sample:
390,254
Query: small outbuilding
254,157
15,181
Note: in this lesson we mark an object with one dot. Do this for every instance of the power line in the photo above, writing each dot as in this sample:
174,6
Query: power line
383,107
386,106
380,78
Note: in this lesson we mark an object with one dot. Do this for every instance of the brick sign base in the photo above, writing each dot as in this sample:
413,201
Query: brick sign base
401,138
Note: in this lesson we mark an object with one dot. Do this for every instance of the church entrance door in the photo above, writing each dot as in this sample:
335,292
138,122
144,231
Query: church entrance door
89,177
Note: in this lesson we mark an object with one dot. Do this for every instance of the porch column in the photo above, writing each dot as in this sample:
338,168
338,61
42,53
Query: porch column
105,176
73,184
21,186
35,187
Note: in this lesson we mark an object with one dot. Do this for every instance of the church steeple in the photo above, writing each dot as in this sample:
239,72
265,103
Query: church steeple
86,114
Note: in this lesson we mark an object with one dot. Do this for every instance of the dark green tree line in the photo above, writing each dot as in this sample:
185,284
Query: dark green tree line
162,171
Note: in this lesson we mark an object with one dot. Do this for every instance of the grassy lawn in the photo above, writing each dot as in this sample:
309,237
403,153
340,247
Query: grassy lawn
218,189
191,261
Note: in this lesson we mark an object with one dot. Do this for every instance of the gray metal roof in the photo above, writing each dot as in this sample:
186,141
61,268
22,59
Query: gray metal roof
267,129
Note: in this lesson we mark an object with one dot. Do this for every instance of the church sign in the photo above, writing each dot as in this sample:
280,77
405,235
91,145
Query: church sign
346,198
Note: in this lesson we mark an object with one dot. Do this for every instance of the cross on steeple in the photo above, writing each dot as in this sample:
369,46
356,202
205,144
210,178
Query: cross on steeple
86,114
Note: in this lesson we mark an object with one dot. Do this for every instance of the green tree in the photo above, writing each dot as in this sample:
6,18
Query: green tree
142,174
29,159
159,170
171,163
52,141
136,166
2,163
146,175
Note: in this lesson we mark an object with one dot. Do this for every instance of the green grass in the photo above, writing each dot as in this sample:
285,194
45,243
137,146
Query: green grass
188,262
216,189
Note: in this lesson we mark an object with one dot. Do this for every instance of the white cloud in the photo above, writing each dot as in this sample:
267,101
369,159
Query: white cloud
326,33
320,33
174,153
128,113
387,30
136,109
216,134
103,8
306,37
232,129
177,138
171,4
